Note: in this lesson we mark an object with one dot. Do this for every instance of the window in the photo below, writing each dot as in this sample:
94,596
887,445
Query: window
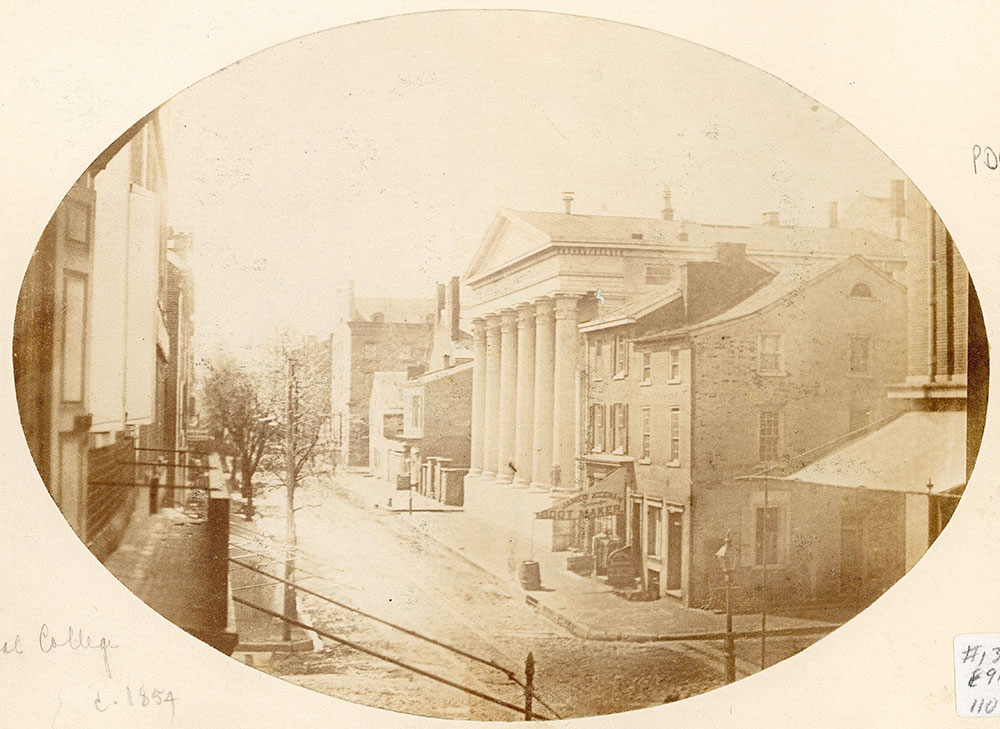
647,366
770,353
766,534
675,365
646,433
653,520
597,428
675,435
620,425
768,435
657,275
861,291
861,355
621,356
416,411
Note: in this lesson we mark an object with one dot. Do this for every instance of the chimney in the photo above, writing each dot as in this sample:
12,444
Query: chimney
453,307
441,299
668,210
568,200
772,218
834,215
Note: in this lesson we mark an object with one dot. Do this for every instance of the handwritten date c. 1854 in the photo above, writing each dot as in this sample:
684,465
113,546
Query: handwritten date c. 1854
135,698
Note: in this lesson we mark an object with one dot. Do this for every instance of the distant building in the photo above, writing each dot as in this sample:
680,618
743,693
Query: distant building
534,279
371,335
434,408
179,410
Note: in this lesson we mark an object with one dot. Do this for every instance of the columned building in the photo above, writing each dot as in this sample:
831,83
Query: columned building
534,280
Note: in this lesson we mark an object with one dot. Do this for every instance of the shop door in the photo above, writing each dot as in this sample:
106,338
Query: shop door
674,546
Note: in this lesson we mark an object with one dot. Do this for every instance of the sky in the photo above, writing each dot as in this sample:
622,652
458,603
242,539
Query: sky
382,151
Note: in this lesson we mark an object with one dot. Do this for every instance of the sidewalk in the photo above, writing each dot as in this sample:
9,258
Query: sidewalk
166,559
585,606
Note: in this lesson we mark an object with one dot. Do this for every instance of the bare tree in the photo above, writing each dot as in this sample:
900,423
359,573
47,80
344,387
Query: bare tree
240,420
301,409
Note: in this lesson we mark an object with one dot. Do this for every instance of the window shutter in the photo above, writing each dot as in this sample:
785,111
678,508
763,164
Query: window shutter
609,428
625,419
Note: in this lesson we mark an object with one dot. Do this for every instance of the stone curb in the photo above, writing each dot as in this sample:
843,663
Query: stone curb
582,630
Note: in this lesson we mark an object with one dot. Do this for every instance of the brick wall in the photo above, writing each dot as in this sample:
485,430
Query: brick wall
378,347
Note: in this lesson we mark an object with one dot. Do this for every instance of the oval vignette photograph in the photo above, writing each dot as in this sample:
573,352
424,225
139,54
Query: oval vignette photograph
500,365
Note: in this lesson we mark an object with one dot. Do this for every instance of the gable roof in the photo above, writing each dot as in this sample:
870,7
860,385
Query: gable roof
785,282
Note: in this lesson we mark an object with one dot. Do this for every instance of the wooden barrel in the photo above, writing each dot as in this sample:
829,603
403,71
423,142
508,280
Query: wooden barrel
530,575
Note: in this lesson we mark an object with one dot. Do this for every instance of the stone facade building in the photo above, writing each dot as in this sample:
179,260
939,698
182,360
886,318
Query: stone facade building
797,363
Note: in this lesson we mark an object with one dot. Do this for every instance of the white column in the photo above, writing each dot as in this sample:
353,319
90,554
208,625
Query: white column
525,415
508,394
491,419
478,396
564,392
541,457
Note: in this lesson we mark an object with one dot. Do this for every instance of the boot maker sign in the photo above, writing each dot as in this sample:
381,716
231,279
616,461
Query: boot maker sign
594,502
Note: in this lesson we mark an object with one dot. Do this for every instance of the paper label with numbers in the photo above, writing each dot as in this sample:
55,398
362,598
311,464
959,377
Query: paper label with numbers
977,675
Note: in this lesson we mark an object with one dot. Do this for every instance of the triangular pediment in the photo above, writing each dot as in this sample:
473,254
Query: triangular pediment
508,239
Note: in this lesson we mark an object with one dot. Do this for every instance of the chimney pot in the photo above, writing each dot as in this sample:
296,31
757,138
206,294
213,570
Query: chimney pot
568,200
668,210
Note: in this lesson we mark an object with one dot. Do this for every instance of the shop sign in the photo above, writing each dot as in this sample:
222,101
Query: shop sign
594,502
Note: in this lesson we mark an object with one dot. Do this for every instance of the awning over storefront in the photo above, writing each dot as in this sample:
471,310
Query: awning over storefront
905,455
604,498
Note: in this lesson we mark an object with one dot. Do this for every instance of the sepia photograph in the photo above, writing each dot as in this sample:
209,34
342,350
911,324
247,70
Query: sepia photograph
500,365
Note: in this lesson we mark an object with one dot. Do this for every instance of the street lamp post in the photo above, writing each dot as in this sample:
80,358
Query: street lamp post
727,561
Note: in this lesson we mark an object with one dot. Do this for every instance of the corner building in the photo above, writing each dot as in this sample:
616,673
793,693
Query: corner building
534,280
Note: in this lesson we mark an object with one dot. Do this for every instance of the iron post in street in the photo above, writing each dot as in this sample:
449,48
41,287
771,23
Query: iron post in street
727,561
529,685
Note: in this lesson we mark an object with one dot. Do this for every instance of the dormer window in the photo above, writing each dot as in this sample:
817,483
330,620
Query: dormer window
861,291
637,236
